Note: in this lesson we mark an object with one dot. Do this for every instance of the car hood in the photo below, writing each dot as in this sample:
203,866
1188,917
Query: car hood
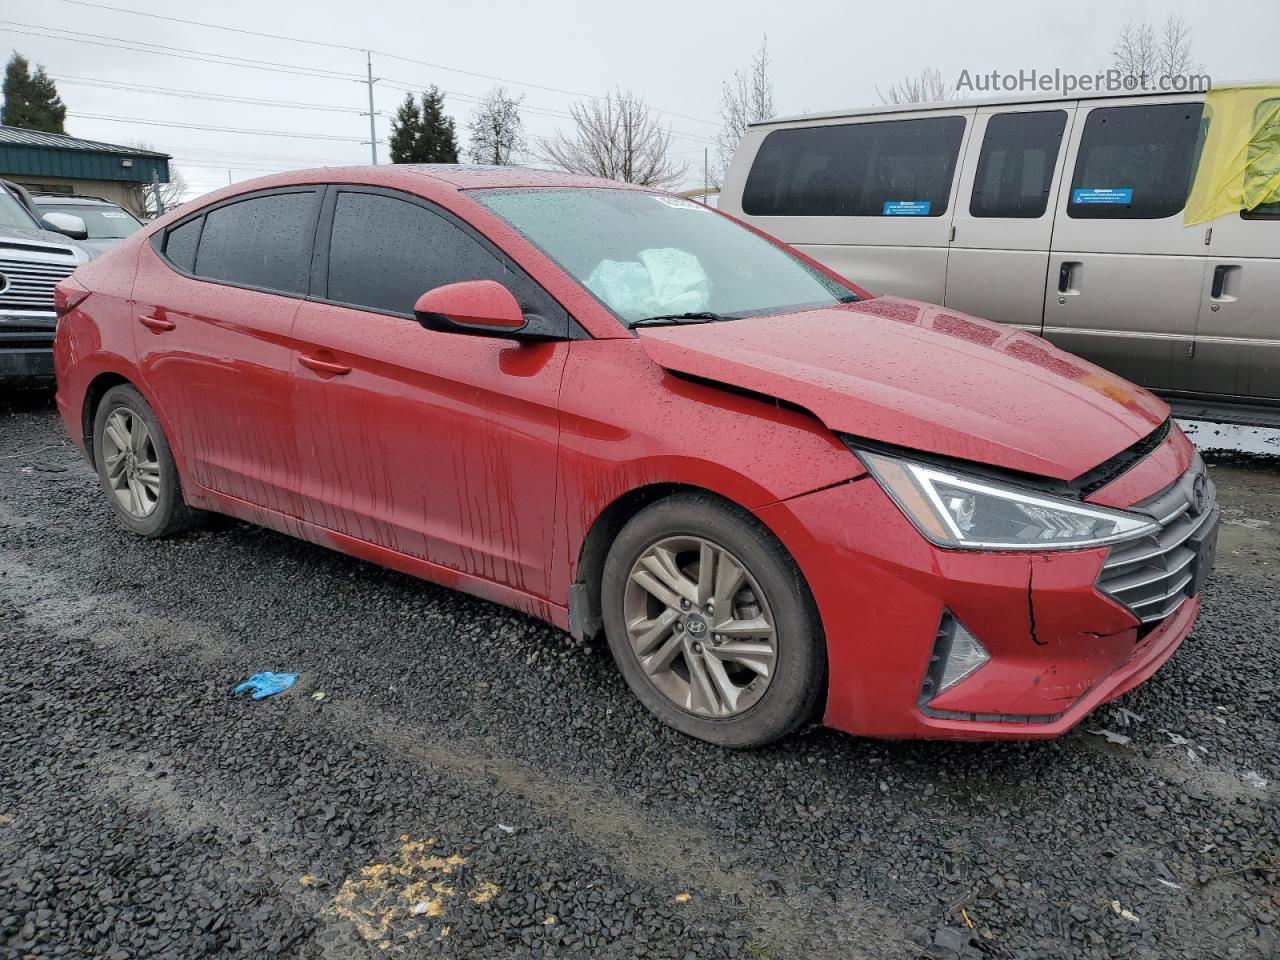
26,235
924,377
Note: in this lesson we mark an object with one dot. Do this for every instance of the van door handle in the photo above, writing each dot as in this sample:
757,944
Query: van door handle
1066,276
156,324
1226,282
324,366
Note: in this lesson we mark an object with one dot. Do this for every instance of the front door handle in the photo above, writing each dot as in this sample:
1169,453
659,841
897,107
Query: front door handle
324,366
156,324
1068,273
1225,280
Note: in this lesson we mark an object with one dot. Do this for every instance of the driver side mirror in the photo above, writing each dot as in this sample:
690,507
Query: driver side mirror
483,307
67,224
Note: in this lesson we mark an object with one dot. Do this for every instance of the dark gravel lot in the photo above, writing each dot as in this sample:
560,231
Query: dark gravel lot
474,784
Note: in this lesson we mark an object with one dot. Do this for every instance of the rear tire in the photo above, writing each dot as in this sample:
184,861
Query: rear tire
736,657
136,468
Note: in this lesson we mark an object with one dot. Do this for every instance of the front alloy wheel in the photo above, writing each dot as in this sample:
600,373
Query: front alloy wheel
700,625
711,623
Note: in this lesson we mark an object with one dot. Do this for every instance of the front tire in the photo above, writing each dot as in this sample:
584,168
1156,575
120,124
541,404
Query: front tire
136,467
711,623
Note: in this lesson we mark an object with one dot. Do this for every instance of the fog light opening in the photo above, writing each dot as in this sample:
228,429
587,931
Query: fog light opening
957,655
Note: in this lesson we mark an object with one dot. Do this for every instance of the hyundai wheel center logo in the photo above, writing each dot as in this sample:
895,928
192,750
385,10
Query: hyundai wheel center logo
1200,493
697,627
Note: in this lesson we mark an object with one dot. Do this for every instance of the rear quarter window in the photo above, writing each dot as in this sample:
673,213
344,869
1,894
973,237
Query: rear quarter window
180,244
876,169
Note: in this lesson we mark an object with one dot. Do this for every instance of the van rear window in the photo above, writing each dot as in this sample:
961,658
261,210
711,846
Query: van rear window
1136,163
888,168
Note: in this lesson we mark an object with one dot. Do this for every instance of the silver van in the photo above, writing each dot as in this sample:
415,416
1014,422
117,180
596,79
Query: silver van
1060,216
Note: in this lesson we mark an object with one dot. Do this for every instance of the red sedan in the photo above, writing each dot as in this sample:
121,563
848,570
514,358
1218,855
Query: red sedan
630,415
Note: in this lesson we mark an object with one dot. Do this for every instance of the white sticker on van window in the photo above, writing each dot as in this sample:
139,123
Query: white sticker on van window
680,203
906,208
1096,195
115,215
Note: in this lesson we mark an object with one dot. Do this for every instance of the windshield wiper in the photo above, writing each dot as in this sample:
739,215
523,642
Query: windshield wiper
665,319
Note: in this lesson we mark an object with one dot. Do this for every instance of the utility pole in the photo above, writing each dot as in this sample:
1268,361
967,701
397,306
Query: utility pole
373,130
706,179
155,193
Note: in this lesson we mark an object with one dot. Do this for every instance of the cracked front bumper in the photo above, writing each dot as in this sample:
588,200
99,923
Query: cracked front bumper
1059,647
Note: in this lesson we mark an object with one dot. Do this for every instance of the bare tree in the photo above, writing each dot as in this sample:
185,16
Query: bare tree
926,87
497,132
744,100
172,194
1142,51
617,137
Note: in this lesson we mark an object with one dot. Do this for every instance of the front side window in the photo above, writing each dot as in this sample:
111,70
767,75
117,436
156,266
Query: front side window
889,168
384,253
262,242
102,223
1015,167
1136,163
647,255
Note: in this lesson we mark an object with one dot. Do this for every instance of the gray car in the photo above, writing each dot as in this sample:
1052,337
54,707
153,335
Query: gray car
33,258
106,224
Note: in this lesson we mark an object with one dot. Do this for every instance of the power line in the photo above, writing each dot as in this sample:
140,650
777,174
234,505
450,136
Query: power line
381,53
196,94
200,126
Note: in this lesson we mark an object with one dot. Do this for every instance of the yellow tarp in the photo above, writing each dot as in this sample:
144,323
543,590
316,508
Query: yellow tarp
1240,166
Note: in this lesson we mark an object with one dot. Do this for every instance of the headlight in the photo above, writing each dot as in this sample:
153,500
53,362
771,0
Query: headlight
954,510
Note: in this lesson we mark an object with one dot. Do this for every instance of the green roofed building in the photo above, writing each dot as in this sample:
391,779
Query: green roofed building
56,163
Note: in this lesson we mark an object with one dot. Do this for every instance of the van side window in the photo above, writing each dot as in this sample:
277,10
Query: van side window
1264,162
1136,163
880,169
1015,167
263,242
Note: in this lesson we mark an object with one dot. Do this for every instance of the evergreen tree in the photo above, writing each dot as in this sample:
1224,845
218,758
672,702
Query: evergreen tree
31,101
421,133
405,127
438,139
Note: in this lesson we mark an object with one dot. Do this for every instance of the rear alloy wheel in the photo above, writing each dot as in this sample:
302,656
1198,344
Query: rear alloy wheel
711,623
136,466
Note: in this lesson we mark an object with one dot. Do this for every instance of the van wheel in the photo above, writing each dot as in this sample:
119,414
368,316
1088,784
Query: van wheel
136,466
711,623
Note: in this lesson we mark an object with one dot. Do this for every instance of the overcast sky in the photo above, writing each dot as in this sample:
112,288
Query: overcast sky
826,55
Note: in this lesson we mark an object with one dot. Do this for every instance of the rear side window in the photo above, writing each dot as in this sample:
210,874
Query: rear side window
883,169
263,242
1264,161
1136,163
180,245
384,253
1015,167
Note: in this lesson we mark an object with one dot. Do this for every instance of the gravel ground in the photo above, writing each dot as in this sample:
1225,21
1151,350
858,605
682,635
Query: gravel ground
475,784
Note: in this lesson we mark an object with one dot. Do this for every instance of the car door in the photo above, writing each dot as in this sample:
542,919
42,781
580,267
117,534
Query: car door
440,446
1004,213
1125,276
1237,348
215,300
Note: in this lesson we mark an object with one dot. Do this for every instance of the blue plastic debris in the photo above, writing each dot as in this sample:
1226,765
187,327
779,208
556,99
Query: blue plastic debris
266,684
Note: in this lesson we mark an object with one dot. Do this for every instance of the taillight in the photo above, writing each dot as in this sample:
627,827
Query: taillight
67,295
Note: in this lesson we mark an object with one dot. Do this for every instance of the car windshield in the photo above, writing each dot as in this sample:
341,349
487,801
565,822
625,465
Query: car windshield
649,255
102,222
14,214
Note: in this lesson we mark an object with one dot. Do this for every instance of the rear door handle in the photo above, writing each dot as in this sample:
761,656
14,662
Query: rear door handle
1224,275
156,324
324,366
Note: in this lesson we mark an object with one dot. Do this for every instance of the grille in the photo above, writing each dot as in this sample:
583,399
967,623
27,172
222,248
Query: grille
28,285
1154,575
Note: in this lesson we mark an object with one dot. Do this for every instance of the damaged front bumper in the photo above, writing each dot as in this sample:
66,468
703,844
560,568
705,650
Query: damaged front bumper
1058,646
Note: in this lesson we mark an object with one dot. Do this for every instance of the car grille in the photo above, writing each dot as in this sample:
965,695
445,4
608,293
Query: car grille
28,285
1154,575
